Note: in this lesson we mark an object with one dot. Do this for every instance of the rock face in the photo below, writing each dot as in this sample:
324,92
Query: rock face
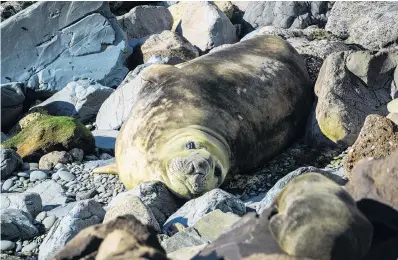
122,238
48,161
17,224
372,26
145,20
350,86
79,99
84,214
51,133
206,27
195,209
378,138
285,14
132,205
28,202
168,44
12,98
9,162
376,179
76,40
185,238
10,8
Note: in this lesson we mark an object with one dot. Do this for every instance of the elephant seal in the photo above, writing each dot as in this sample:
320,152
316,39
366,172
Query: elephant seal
225,112
314,217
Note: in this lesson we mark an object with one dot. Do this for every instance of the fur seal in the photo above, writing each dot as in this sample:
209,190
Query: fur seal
314,217
225,112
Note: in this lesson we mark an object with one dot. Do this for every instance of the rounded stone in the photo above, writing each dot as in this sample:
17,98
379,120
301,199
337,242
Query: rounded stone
6,245
7,184
33,166
38,176
30,247
59,166
23,174
55,176
66,175
49,221
41,216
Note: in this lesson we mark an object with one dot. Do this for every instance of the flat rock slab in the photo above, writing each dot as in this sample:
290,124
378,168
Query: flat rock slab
73,40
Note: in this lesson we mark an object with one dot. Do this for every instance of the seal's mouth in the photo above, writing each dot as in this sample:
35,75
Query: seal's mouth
196,184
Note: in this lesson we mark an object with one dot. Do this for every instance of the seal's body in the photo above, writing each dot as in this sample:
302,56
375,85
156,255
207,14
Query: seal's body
224,112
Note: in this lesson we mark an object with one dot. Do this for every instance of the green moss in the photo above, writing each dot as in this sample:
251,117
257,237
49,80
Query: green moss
51,133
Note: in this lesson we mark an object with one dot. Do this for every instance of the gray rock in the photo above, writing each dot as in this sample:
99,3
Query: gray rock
70,44
29,248
17,224
168,44
55,176
86,194
80,99
12,98
48,161
77,154
33,166
105,139
6,245
10,8
41,216
49,221
372,26
284,14
27,201
186,238
7,185
37,176
66,175
132,205
195,209
84,214
62,211
10,161
145,20
52,194
270,196
206,27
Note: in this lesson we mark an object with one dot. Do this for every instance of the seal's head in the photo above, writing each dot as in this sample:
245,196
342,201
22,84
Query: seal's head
196,163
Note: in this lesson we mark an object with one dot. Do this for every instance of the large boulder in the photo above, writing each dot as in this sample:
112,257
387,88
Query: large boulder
12,98
122,238
84,214
9,162
284,14
17,224
145,20
27,201
48,161
168,44
51,133
10,8
80,99
372,26
206,27
63,42
378,138
350,86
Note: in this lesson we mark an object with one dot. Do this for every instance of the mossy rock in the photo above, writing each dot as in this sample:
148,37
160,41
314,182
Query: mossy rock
48,134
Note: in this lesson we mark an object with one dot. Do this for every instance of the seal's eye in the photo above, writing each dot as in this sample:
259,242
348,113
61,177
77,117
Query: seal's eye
217,171
190,145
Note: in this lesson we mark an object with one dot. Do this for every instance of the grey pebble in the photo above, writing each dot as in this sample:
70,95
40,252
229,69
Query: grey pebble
49,221
37,175
66,176
55,176
41,216
59,166
33,166
6,245
30,247
19,247
7,184
23,174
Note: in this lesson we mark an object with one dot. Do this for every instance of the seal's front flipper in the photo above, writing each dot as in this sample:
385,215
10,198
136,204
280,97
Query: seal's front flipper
107,169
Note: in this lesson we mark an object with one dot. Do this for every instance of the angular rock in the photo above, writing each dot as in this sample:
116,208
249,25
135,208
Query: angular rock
48,134
206,27
350,86
273,193
27,201
186,238
168,44
371,26
52,194
10,8
286,14
12,98
145,20
185,252
83,215
195,209
79,99
378,138
10,161
177,11
132,205
105,139
17,224
48,161
376,179
122,238
226,7
70,43
77,154
215,223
